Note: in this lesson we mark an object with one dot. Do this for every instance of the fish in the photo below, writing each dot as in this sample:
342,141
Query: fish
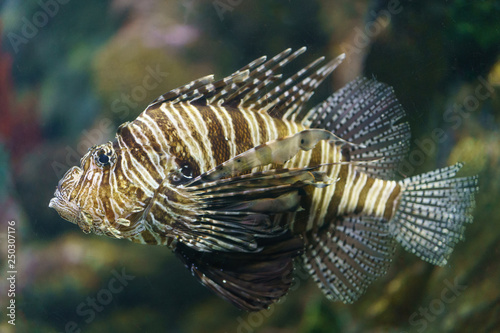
243,183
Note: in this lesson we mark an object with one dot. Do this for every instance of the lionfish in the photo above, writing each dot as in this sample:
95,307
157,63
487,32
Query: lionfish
239,179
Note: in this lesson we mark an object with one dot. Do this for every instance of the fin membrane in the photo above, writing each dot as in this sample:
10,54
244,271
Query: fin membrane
366,113
433,210
347,255
251,281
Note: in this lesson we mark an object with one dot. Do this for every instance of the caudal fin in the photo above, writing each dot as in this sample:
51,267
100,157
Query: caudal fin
433,210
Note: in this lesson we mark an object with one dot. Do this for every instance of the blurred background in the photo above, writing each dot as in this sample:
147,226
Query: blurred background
72,71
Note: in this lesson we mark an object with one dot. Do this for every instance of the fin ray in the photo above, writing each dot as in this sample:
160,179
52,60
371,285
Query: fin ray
232,214
433,210
251,281
367,113
348,255
278,151
247,86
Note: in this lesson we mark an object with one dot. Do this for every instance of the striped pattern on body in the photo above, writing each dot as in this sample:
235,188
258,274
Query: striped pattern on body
203,137
209,166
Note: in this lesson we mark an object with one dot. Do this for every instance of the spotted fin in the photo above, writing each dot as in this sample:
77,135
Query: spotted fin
348,255
258,86
433,210
251,281
367,113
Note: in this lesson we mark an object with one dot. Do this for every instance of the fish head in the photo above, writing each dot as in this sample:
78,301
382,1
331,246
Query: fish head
95,196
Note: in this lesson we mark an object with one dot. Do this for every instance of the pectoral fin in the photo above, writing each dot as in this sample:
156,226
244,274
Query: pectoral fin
277,151
232,214
251,281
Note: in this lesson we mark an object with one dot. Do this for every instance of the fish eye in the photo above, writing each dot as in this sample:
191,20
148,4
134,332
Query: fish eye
102,158
186,171
181,175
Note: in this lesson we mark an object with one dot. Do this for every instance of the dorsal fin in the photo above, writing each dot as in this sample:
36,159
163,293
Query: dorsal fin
368,114
258,86
287,104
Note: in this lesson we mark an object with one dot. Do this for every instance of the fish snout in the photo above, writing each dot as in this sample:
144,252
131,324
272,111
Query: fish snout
61,201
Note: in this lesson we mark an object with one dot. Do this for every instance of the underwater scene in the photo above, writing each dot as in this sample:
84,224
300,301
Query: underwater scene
159,174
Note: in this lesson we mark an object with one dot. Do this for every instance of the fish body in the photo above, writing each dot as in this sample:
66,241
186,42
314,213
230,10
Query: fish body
238,178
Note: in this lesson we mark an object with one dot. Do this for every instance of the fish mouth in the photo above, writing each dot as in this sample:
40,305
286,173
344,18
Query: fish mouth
67,209
53,203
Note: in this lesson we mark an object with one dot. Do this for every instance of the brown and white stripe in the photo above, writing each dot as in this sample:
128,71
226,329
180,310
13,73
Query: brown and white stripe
206,136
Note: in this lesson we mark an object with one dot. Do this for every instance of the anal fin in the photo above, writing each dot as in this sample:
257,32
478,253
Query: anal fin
347,255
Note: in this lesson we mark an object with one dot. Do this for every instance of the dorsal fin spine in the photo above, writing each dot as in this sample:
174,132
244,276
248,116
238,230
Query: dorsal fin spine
264,100
252,88
246,87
